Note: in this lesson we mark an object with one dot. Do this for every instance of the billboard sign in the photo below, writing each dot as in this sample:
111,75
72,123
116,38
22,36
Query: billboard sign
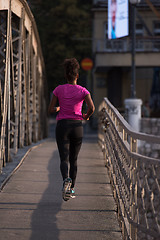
117,18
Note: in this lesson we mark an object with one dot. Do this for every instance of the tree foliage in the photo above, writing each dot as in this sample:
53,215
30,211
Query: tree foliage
65,31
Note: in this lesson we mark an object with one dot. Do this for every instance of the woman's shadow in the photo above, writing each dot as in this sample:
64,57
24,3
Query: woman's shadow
43,223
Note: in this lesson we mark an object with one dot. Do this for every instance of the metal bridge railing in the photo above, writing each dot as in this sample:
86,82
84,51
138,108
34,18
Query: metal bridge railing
22,80
135,178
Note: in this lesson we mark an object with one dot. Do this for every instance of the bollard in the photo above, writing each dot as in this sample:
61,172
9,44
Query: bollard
133,112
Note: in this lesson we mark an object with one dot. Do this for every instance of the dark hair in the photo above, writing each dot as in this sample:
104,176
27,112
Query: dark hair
71,67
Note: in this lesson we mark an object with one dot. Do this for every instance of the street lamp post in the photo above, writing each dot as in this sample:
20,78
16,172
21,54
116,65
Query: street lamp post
133,105
133,83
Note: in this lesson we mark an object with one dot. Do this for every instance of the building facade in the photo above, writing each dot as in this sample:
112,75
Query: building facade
112,71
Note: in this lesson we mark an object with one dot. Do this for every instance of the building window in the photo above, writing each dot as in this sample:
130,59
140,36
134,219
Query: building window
99,1
106,30
156,32
107,42
156,29
139,29
139,34
101,82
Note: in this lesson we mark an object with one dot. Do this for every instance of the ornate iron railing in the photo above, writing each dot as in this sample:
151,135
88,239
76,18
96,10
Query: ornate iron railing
135,178
22,80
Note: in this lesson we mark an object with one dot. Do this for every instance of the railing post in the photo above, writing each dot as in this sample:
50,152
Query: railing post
124,136
133,190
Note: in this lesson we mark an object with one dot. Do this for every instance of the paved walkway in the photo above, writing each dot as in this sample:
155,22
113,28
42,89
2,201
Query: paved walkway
31,206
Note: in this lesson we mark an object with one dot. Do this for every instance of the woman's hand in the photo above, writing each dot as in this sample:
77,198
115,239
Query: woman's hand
52,105
90,106
57,109
85,117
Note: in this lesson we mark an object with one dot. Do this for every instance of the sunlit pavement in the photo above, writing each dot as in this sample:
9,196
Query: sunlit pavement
31,205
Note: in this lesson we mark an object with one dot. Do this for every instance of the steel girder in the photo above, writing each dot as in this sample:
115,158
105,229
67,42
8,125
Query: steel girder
23,88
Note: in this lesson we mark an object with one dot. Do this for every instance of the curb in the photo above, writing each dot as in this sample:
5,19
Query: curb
18,166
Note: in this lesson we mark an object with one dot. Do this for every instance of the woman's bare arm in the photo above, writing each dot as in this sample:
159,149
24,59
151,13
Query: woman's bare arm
52,106
90,105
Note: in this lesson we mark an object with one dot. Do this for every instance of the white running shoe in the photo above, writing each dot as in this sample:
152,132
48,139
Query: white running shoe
72,193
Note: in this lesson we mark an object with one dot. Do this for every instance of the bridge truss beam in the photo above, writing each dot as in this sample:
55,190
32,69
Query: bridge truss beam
23,87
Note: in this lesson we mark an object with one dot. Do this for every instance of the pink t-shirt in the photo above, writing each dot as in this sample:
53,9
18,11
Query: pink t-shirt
70,99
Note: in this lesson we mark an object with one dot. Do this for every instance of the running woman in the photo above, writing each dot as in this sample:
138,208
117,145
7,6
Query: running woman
69,129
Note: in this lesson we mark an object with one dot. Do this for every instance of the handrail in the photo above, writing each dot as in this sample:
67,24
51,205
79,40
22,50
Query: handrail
23,86
134,177
129,129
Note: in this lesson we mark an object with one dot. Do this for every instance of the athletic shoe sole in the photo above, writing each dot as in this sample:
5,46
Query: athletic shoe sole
72,196
66,192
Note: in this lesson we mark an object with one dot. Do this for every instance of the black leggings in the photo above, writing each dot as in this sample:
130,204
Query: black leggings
69,134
